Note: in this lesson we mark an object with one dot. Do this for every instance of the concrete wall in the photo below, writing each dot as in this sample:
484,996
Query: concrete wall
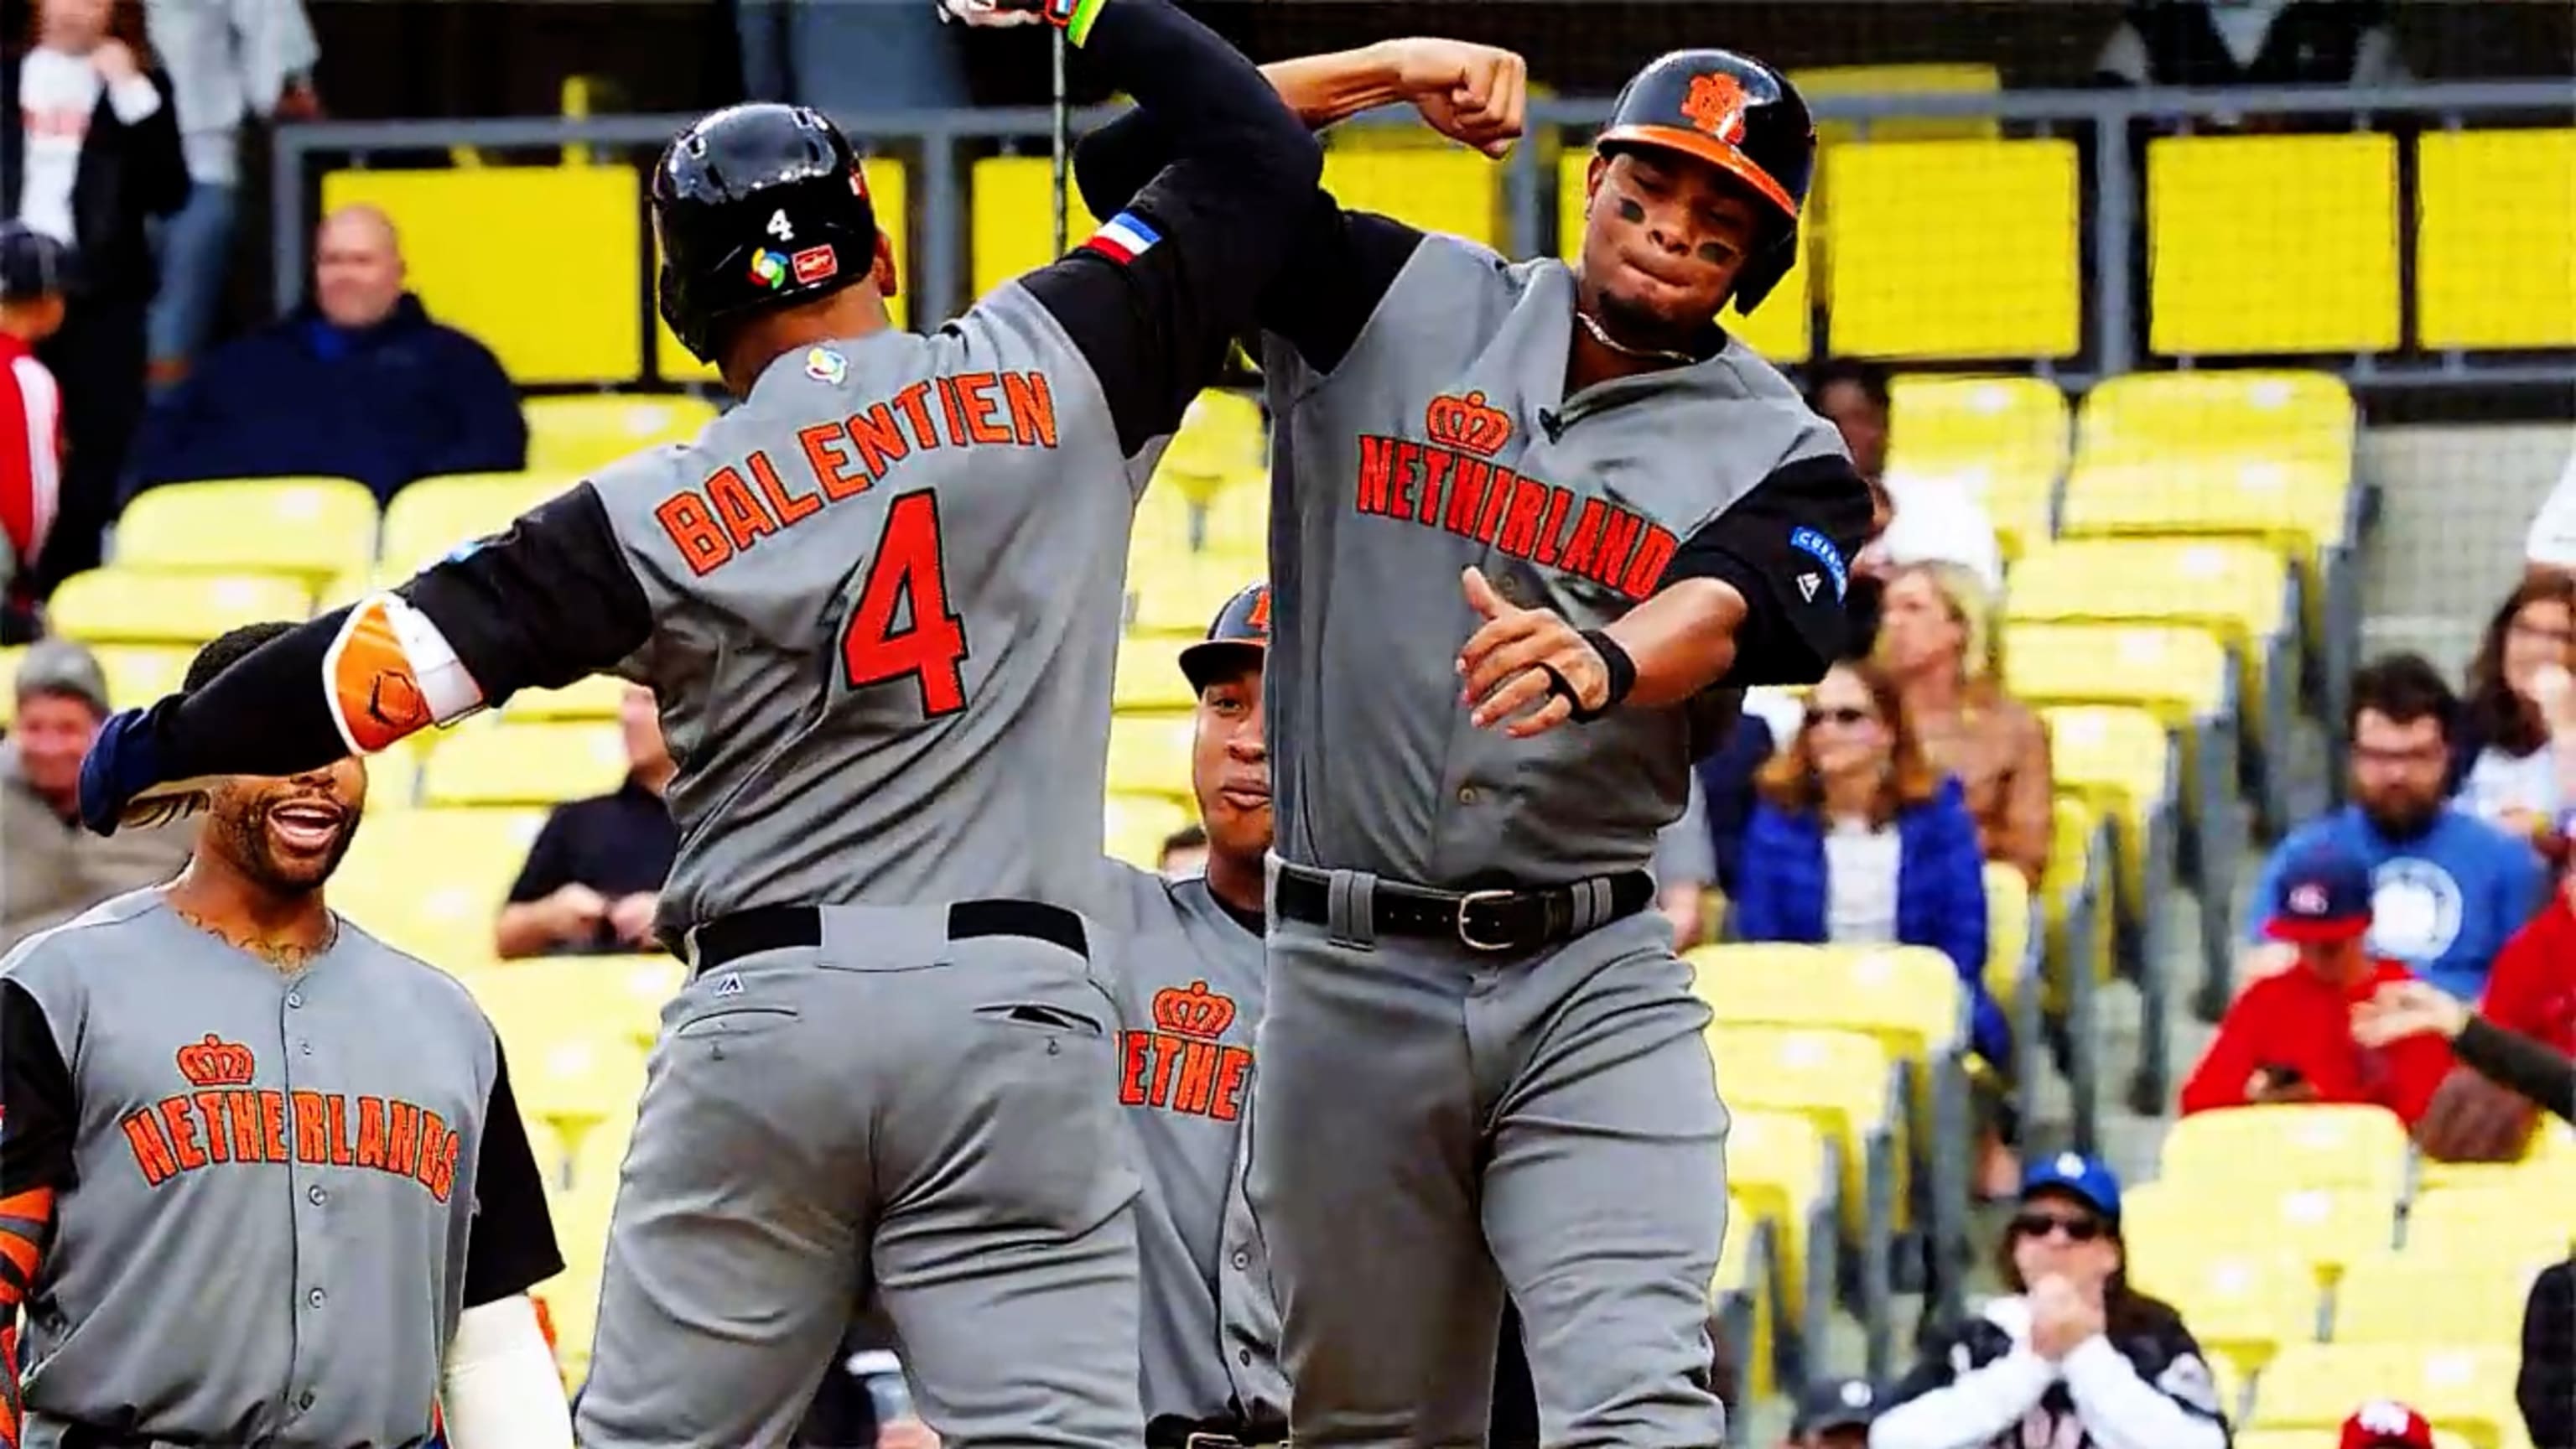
2455,505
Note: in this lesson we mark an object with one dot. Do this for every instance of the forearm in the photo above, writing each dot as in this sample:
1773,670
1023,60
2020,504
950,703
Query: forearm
522,930
2519,1064
1113,163
500,1389
1682,640
2120,1410
1210,102
1972,1411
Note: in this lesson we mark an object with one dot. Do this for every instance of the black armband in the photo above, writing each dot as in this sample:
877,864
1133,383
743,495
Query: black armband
1619,670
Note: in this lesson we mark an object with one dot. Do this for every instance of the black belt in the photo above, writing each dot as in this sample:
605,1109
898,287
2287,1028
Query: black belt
90,1436
1172,1431
1486,920
780,928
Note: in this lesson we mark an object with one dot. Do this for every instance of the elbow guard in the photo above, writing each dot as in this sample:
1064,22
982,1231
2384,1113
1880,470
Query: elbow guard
391,673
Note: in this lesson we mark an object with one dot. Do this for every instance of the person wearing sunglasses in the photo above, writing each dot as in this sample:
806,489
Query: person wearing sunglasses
2073,1355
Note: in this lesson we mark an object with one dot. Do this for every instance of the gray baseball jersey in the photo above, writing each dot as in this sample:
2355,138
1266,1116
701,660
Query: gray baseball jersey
270,1194
1189,981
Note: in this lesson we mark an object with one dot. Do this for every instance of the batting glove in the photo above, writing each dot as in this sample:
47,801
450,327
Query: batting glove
124,763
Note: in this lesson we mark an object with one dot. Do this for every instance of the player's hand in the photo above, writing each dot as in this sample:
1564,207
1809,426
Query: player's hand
1505,665
2407,1008
2062,1317
906,1434
1474,94
632,917
115,61
574,911
2266,1090
988,14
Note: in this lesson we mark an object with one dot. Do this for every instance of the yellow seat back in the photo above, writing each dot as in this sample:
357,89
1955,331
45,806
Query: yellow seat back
140,674
146,606
2287,1148
2464,1223
508,764
1134,827
2422,1297
1011,226
2468,1391
1906,998
1149,754
2003,441
432,882
2244,1305
2255,413
1954,249
1149,678
2178,674
2272,244
569,436
431,518
1776,1175
2008,935
2237,589
1448,189
2495,238
312,528
2325,1228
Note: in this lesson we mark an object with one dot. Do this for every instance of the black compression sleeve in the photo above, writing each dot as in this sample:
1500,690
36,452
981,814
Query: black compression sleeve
1786,547
2521,1064
512,1245
39,1110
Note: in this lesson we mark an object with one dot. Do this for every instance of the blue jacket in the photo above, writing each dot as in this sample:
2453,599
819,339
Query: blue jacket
2442,904
1726,785
1940,894
404,399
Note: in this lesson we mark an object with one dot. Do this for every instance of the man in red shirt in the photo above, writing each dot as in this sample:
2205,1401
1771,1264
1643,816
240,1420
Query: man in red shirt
31,310
2531,988
2288,1038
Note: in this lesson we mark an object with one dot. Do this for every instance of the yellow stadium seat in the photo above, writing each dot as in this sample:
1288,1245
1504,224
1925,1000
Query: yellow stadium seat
11,657
432,882
2243,1305
2234,414
2495,238
2492,1222
312,528
1841,1080
1149,754
139,674
2179,674
1179,594
2008,942
592,697
1134,827
1219,441
1166,523
2118,759
2239,591
568,436
1237,519
2298,505
1449,189
465,246
536,1000
2468,1391
575,1080
1954,249
1777,1174
427,520
1781,329
889,191
150,606
523,764
2325,1228
2077,894
2272,244
2001,440
1012,218
2285,1148
1149,678
1937,78
2417,1297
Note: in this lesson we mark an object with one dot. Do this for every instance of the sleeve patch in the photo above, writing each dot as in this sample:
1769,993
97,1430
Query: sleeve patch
1124,238
1813,543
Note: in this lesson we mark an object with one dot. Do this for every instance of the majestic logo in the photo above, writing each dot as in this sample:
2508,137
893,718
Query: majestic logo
215,1062
816,264
1183,1065
769,269
1716,105
1467,424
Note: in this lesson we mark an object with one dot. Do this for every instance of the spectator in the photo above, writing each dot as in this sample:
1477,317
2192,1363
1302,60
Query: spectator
2386,1424
88,156
55,869
1185,852
2289,1038
31,437
2212,43
593,877
2529,1068
2514,762
228,59
2448,889
1921,518
1685,868
2531,988
1834,1414
2545,1390
1725,794
1936,637
1858,840
2072,1355
357,383
2551,546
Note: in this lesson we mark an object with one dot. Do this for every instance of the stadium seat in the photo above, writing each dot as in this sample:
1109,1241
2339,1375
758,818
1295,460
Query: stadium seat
569,436
2003,440
2464,1224
1236,522
523,764
1845,1083
1011,226
1943,78
2489,275
1906,998
2141,417
2168,1221
2468,1391
464,244
431,882
1149,677
1179,594
427,520
1166,523
1954,249
1134,827
2246,1306
139,674
553,997
11,656
2079,913
2177,673
1220,440
592,697
575,1080
1779,1171
312,528
889,190
2425,1297
1149,754
1445,189
2268,1149
1781,329
2121,761
147,606
2272,244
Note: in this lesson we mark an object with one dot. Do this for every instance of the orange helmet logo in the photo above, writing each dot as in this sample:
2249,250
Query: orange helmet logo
1259,618
1716,105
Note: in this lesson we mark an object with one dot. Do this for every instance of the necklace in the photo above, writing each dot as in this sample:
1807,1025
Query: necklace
1602,336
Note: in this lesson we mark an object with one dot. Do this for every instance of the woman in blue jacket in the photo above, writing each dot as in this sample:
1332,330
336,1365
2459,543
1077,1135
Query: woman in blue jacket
1857,840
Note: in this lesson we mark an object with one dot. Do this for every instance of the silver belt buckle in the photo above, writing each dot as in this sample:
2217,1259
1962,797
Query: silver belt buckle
1467,937
1211,1441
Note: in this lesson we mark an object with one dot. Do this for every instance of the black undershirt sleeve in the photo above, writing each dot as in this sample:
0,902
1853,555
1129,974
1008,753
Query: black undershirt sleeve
512,1245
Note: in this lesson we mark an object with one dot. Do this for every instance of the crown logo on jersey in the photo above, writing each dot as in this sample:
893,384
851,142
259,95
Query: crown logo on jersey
1196,1012
1467,424
1716,105
215,1062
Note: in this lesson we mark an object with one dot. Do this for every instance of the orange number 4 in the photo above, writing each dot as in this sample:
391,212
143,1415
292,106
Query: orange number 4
907,570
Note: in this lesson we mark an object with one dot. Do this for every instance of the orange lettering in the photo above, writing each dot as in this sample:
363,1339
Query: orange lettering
1436,463
830,461
371,1132
1198,1077
241,1109
402,1138
1647,569
1498,496
790,508
880,442
1466,490
914,402
948,407
210,1108
975,392
693,531
309,1146
744,520
1618,536
1587,537
183,1133
1131,1069
1233,1069
1520,530
1032,406
272,1124
151,1152
1377,469
337,1107
1558,501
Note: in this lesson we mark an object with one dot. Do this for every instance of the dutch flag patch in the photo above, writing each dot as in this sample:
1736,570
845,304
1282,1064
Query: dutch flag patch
1124,238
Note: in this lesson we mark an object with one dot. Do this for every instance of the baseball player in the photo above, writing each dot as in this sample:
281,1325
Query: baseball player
878,602
262,1180
1482,1065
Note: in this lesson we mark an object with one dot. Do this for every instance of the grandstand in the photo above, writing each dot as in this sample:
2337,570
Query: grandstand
2199,543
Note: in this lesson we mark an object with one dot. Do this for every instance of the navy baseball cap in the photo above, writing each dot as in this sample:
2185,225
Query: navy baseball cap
2323,896
1242,626
2087,1179
32,264
1836,1404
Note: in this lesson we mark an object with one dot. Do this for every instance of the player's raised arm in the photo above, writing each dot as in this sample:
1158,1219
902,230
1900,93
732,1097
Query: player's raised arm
1342,262
540,606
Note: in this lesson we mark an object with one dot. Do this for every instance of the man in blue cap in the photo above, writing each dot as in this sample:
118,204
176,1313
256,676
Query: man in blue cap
1834,1414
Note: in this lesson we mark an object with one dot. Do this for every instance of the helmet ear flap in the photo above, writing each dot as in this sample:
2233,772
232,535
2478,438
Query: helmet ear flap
1763,270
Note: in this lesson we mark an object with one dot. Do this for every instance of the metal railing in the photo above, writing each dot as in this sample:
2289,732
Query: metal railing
2100,121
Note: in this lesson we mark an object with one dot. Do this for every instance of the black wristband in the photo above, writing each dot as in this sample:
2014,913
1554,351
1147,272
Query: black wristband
1620,670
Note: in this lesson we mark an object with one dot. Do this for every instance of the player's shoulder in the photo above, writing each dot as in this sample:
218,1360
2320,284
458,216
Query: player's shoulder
406,979
1759,393
92,941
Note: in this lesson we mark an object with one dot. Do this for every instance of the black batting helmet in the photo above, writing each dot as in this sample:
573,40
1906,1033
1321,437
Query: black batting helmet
1740,116
1241,627
757,206
32,264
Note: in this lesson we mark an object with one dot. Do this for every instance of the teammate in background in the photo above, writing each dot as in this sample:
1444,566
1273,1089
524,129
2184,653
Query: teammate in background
1483,1067
867,599
33,276
261,1176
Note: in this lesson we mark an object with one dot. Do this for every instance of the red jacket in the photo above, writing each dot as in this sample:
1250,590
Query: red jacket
31,452
2301,1021
2531,988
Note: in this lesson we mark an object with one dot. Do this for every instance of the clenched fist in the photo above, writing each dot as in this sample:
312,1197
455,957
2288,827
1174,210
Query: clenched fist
1474,94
